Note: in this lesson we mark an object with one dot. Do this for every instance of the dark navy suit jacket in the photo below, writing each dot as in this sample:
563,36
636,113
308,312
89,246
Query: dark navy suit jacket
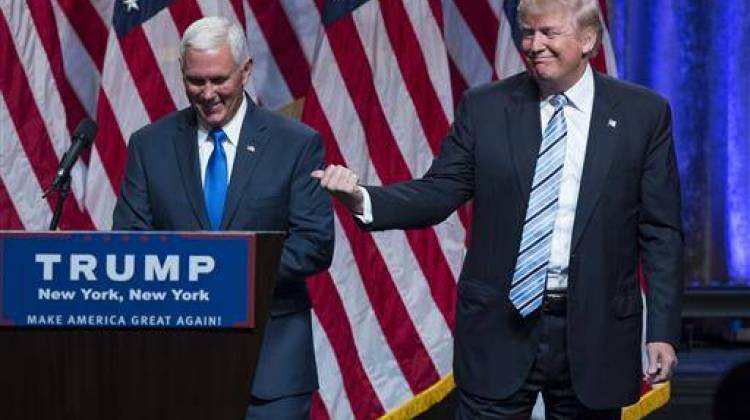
270,189
628,209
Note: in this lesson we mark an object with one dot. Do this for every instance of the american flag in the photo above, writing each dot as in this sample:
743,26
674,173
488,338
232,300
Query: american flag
378,79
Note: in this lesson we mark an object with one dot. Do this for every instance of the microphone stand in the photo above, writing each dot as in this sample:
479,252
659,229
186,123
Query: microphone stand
62,193
82,138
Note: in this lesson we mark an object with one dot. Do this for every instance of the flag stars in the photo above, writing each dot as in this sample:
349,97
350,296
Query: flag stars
131,5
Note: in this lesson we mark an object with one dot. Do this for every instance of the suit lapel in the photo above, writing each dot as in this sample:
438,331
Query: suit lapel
186,148
525,134
253,137
600,148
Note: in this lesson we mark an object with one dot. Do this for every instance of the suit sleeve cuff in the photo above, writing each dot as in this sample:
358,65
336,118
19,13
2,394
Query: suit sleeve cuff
366,216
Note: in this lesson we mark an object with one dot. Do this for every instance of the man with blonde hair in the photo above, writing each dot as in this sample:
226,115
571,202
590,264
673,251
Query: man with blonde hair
225,164
574,183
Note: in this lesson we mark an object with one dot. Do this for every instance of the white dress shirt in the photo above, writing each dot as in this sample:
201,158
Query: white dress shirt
578,119
232,130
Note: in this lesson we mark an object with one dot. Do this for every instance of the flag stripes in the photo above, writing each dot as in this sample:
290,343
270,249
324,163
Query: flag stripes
482,21
89,26
8,216
377,358
137,54
283,45
183,13
46,26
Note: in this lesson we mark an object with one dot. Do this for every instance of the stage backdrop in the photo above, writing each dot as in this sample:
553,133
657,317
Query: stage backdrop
695,52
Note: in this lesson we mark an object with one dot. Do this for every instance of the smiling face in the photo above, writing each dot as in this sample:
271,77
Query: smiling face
555,48
214,83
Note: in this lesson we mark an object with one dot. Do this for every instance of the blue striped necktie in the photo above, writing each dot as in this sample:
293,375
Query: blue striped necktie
215,184
527,287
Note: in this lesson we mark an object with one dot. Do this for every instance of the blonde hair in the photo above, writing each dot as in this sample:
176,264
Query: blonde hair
585,12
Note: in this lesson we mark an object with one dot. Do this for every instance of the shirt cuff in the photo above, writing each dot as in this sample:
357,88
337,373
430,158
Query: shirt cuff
366,216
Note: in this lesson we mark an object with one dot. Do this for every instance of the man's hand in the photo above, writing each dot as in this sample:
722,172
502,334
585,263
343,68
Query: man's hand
341,183
661,362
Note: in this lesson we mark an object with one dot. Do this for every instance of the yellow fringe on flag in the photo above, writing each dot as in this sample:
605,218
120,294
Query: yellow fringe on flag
293,109
655,398
422,402
649,402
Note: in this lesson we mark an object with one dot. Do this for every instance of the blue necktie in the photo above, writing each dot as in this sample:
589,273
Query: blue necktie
529,276
215,184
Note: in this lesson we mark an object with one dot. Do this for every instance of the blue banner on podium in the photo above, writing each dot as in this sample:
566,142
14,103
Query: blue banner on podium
127,280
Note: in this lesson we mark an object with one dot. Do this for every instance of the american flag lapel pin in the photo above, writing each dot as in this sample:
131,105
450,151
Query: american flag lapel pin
612,123
251,148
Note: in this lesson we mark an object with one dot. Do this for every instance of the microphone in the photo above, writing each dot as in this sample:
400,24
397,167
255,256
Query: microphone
83,136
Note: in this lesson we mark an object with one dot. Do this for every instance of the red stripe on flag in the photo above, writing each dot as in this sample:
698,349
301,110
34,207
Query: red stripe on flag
401,334
363,399
393,317
184,13
44,21
437,14
600,60
109,142
30,127
283,44
384,152
436,270
464,214
318,410
9,219
413,67
483,23
605,12
239,10
320,4
458,83
88,24
146,75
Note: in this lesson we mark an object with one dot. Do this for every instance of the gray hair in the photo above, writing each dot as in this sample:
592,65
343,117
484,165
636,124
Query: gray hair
585,12
212,32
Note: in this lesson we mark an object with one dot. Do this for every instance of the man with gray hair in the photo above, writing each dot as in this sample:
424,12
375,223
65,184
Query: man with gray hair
574,185
225,164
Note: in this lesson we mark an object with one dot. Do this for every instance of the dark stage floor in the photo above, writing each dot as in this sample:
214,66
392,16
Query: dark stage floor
693,386
695,381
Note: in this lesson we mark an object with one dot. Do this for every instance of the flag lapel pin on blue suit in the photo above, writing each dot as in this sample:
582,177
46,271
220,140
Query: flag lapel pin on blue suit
251,148
612,123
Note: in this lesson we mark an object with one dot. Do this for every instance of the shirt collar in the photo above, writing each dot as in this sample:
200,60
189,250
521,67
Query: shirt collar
581,94
231,129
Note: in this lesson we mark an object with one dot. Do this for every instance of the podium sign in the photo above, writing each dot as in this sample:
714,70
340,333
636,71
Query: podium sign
127,280
65,353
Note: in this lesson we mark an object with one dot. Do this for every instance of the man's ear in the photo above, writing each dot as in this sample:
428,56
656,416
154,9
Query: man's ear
588,39
247,68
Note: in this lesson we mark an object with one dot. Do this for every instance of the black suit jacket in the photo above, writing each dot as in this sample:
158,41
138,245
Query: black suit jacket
628,208
270,189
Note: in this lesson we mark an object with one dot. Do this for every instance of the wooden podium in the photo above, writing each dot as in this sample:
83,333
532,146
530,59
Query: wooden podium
94,373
